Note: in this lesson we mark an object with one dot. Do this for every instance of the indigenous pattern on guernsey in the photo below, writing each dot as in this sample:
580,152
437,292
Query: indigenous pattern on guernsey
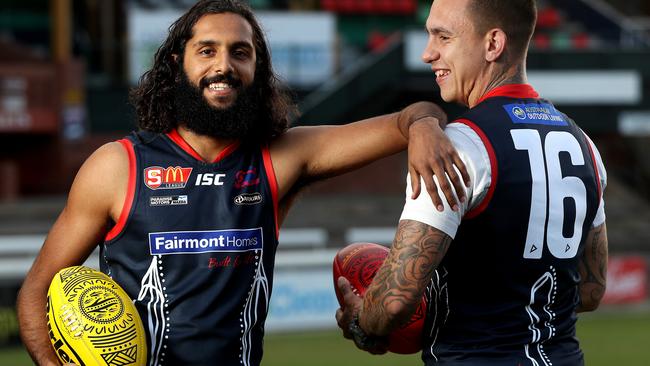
438,306
259,294
200,271
151,294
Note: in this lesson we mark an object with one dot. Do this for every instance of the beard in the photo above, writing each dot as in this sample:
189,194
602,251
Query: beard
235,122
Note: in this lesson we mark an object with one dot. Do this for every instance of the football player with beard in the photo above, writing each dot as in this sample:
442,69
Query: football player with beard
186,211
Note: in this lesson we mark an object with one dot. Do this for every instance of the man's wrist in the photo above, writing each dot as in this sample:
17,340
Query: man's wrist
420,111
361,339
425,124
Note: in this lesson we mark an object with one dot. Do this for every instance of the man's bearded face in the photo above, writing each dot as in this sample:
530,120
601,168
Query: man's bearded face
238,121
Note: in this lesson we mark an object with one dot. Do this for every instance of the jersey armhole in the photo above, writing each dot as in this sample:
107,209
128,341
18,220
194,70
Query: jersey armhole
130,192
493,167
270,173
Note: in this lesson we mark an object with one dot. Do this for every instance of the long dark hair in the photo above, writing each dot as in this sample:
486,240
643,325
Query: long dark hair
153,97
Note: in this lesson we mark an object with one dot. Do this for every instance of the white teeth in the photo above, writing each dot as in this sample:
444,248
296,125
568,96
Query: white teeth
441,73
219,86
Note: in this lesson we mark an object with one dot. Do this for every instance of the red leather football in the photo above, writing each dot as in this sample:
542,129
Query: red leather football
359,263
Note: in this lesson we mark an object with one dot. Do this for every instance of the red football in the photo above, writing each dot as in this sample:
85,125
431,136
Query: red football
359,263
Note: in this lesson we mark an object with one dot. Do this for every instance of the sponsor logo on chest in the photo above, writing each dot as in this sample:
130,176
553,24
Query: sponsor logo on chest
209,179
195,242
247,178
248,199
167,200
156,177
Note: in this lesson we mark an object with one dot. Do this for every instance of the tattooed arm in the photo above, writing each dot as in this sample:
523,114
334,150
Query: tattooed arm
423,237
397,287
593,269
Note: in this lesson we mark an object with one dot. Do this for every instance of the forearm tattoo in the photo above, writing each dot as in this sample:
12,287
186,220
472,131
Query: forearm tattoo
399,283
593,269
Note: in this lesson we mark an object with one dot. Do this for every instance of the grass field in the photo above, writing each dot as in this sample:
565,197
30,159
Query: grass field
607,339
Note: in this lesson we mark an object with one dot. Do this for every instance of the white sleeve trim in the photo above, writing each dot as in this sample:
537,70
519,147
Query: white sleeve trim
475,156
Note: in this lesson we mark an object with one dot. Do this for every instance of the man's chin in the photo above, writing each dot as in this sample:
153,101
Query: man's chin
449,97
222,106
220,103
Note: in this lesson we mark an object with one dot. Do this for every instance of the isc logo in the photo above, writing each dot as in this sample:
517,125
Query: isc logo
156,177
210,179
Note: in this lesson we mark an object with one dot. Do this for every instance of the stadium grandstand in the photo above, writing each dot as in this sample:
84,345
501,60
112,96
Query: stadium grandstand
66,67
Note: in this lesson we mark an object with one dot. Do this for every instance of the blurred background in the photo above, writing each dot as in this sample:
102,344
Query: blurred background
66,67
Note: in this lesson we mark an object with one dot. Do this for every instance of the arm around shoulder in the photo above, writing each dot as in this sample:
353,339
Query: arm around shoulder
95,198
311,153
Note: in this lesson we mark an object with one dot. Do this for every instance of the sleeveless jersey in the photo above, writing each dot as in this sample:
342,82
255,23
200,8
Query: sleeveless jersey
194,248
507,289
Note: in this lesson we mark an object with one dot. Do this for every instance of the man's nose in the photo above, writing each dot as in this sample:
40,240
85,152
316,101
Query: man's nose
430,54
223,64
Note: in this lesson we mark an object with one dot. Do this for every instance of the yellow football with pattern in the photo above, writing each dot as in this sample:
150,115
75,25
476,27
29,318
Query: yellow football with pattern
92,321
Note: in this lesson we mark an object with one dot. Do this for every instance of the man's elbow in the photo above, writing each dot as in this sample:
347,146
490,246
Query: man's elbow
590,300
23,296
594,303
589,306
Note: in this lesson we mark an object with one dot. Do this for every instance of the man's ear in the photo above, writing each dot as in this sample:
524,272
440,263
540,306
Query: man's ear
175,57
495,44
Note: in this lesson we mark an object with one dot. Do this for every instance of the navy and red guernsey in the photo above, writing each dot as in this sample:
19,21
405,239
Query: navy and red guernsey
507,289
194,248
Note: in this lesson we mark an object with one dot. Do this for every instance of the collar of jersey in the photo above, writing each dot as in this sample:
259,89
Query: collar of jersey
520,91
178,140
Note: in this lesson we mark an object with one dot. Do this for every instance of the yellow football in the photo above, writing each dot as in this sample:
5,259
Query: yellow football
92,321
